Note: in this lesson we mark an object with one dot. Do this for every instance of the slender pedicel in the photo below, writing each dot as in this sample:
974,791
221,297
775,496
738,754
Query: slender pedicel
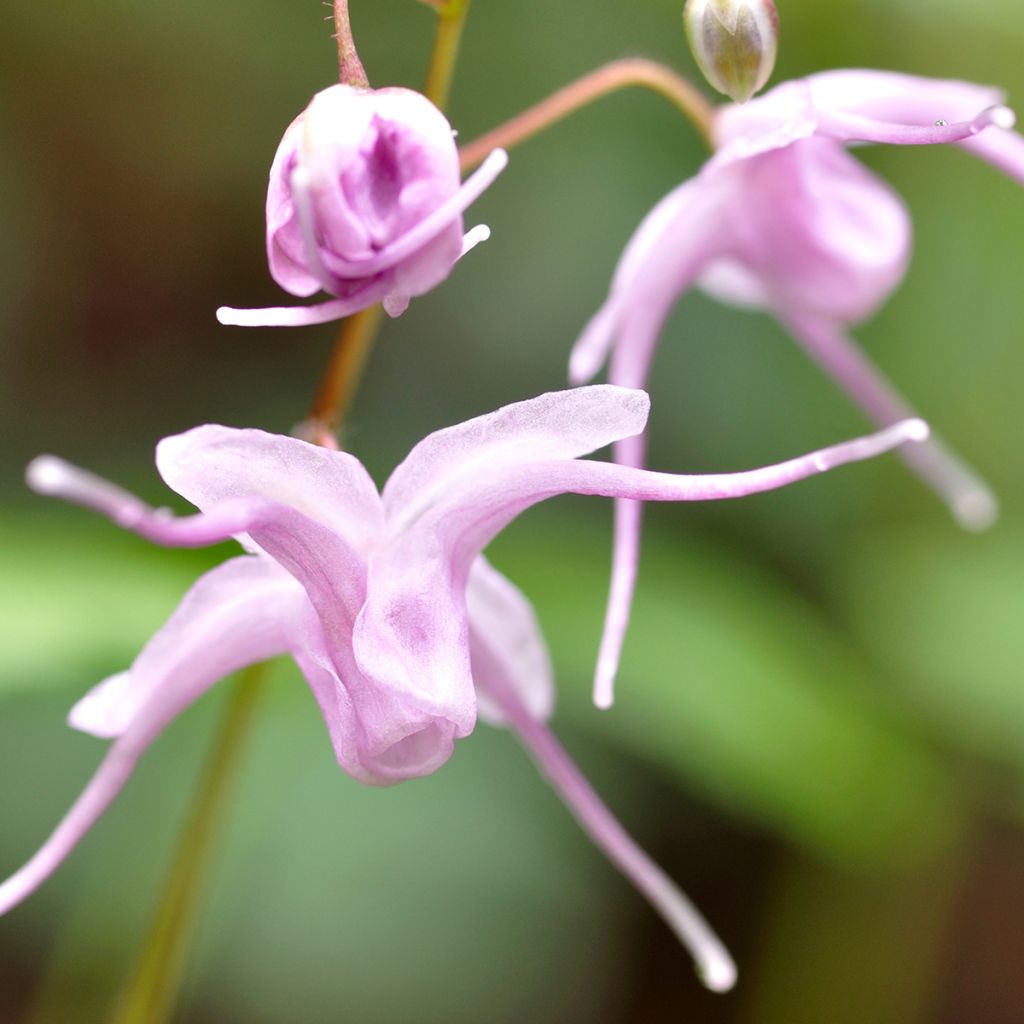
604,81
714,964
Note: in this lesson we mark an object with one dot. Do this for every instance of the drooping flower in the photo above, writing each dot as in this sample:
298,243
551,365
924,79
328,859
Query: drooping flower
364,203
782,218
400,628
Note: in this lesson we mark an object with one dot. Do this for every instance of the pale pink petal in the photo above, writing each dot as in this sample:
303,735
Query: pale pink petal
331,570
558,425
505,641
234,616
817,230
668,254
969,499
714,965
212,464
460,526
437,221
899,99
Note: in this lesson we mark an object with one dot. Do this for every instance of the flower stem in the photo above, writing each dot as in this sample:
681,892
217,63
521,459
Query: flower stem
619,74
350,67
341,377
149,996
451,17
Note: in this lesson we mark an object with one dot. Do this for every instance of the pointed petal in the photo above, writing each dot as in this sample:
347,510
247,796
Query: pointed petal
661,270
304,316
714,965
330,569
970,500
212,464
236,615
898,98
558,425
505,640
456,529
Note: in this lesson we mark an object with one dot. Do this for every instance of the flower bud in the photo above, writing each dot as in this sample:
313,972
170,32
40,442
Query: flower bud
365,203
734,43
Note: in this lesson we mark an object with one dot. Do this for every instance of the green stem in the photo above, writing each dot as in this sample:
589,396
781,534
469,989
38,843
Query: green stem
451,18
619,74
152,988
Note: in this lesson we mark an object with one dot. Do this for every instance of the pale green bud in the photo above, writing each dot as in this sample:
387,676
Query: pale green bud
734,43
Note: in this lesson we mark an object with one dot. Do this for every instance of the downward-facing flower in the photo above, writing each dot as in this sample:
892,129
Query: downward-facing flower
383,599
364,203
783,219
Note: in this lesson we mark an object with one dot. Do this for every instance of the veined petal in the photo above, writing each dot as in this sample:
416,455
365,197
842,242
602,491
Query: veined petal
898,98
211,464
470,519
505,641
560,424
429,227
235,615
331,570
969,498
714,965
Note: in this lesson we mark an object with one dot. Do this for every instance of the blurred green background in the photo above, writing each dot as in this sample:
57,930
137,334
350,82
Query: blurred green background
820,716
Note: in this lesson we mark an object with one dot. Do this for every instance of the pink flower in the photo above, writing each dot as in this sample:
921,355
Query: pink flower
783,219
399,626
365,203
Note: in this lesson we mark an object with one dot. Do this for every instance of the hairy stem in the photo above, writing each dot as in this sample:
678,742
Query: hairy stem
150,994
350,67
619,74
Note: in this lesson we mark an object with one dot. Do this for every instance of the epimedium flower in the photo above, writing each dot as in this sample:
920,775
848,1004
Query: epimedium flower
783,219
383,599
365,203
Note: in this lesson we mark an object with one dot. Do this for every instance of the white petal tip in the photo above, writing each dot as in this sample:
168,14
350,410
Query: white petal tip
916,430
497,160
1002,117
228,316
47,474
718,975
604,686
976,511
472,238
